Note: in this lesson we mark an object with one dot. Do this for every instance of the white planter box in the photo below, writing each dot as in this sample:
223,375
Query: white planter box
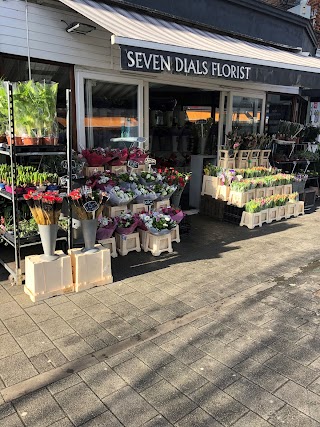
300,208
281,212
137,208
291,210
118,169
113,211
161,204
270,191
48,279
272,214
209,185
260,192
175,234
159,244
251,220
278,189
90,269
127,243
287,189
144,239
264,216
111,245
237,198
90,170
223,192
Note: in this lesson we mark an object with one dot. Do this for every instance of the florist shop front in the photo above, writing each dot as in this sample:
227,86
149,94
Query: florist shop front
147,92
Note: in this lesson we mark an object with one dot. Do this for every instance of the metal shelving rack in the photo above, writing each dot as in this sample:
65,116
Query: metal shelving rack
13,152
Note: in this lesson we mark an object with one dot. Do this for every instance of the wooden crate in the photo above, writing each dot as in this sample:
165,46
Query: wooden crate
209,185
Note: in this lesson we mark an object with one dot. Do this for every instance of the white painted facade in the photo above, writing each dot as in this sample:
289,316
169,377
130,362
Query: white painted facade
94,57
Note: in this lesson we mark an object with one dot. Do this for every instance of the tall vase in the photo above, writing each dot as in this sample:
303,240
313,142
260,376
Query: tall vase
176,197
89,231
48,234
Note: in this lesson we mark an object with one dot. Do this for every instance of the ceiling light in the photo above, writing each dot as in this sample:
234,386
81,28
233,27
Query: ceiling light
79,28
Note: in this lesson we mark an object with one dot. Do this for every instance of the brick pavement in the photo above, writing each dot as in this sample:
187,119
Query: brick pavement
223,332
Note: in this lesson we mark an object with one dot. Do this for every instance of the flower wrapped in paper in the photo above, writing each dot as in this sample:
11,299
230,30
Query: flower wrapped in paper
87,203
150,178
44,206
164,190
137,155
158,223
176,214
128,181
96,157
106,227
119,196
127,223
144,193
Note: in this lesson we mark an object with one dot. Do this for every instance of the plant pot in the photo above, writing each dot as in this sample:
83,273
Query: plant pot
176,197
17,140
28,140
41,187
48,234
89,231
47,140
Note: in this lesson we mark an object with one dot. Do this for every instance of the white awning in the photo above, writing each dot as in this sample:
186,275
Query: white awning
131,28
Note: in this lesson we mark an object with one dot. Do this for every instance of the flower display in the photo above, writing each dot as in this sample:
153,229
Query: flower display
158,223
137,155
44,206
87,203
118,196
164,190
102,180
129,178
96,157
257,205
266,181
127,223
106,227
142,193
150,178
176,214
174,177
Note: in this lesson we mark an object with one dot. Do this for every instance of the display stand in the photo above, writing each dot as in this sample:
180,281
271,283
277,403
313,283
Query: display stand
90,269
48,279
127,243
14,152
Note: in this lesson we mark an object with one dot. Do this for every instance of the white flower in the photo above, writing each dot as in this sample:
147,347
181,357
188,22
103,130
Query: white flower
148,176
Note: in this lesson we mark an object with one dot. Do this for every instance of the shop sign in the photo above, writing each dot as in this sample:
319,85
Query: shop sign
156,62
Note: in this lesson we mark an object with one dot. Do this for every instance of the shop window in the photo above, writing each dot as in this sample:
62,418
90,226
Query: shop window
279,107
16,69
246,114
111,111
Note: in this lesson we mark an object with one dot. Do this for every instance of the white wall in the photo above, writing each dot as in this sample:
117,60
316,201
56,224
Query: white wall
48,38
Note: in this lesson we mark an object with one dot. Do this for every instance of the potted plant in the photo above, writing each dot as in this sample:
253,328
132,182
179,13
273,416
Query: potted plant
3,111
144,193
176,214
128,181
118,196
46,209
88,206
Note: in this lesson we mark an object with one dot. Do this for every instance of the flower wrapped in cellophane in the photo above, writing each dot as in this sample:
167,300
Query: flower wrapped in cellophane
158,223
164,190
44,206
127,223
87,203
144,193
119,196
106,227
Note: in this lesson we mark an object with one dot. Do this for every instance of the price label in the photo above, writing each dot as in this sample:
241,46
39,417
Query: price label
148,202
91,206
133,164
150,161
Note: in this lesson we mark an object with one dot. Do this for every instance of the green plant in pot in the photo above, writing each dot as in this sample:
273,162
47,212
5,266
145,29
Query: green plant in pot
3,111
46,107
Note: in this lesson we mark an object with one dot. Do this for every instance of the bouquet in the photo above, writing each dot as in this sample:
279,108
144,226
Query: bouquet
118,197
96,157
106,227
87,203
118,157
143,193
158,223
174,177
150,178
102,180
128,181
137,155
176,214
127,223
44,206
164,191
